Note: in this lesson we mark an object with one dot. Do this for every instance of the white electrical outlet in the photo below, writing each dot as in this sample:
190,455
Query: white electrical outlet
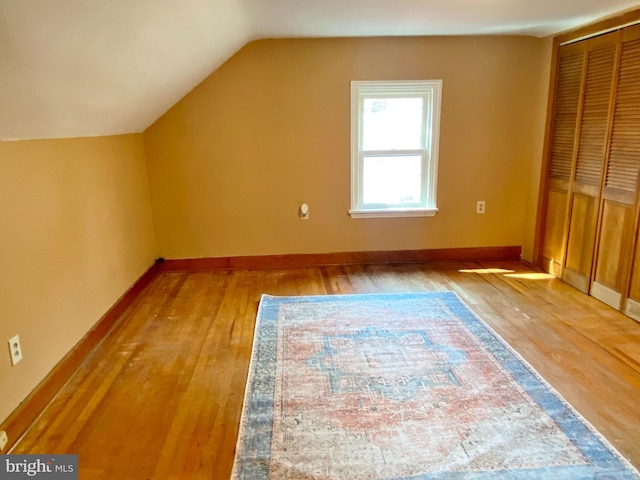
15,349
480,206
3,440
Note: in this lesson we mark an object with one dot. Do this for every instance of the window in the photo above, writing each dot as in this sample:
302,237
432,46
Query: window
394,148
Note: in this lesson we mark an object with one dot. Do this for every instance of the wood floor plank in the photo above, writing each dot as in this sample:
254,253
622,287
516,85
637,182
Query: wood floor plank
161,396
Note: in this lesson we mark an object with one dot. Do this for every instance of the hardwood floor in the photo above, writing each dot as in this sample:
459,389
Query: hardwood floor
161,397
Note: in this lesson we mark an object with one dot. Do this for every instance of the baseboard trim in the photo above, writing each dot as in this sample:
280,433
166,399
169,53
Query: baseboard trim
343,258
22,417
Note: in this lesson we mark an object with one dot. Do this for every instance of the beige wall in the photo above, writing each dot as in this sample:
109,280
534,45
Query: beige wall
76,227
231,162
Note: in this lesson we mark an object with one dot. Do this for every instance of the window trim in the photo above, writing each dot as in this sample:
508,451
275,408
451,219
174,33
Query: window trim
431,90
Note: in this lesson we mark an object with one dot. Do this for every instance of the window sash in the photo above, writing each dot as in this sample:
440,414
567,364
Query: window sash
422,203
427,99
430,91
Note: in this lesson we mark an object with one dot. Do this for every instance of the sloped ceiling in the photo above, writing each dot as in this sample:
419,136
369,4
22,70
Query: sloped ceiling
71,68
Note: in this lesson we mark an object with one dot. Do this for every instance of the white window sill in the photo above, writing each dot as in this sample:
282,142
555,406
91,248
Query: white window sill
389,212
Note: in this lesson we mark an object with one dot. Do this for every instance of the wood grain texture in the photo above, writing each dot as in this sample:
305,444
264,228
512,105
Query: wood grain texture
596,111
161,396
582,234
623,165
615,245
21,418
343,258
567,107
633,294
596,28
566,44
561,140
553,243
596,104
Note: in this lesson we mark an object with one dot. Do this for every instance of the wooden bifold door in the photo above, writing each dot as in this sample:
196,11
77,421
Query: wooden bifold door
590,226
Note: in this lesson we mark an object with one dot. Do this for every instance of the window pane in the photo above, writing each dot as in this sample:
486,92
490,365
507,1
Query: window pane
392,123
392,180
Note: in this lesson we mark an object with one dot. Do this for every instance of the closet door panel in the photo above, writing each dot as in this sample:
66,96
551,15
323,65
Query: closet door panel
553,243
618,221
593,128
630,147
614,252
561,155
584,220
632,304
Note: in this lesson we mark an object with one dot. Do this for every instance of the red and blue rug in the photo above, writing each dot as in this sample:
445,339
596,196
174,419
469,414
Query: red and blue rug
403,386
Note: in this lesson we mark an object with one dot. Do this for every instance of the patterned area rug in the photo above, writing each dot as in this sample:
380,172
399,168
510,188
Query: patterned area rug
403,386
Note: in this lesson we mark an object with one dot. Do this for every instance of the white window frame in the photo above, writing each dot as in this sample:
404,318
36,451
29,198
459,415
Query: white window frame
431,91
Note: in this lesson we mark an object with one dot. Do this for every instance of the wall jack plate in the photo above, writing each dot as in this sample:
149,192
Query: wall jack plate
303,212
15,350
3,440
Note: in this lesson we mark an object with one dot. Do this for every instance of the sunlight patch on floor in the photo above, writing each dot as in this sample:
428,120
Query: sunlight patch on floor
486,270
531,276
510,273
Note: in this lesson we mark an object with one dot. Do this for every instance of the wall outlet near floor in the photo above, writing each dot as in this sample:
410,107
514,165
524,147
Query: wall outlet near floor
480,206
3,440
15,349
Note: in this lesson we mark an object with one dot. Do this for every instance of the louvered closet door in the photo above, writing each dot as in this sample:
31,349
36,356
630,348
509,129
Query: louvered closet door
628,141
618,206
592,130
561,156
